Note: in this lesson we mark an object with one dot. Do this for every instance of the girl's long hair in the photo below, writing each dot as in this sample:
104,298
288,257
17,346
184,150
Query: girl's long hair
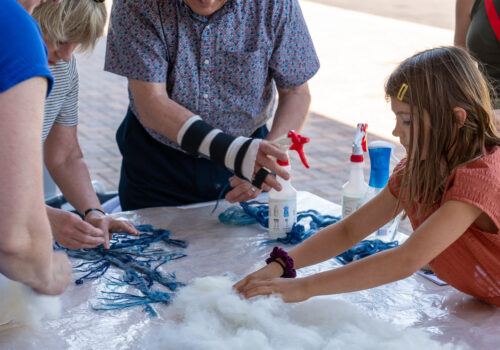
438,80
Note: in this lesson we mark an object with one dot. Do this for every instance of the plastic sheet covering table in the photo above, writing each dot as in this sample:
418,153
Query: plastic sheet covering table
215,249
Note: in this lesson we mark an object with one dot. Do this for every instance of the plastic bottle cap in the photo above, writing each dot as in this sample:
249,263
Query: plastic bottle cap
282,163
357,158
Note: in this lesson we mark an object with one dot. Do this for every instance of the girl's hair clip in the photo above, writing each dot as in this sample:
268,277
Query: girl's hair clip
402,91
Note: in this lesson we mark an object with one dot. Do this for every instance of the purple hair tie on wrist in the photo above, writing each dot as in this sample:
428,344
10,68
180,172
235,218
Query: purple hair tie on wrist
278,253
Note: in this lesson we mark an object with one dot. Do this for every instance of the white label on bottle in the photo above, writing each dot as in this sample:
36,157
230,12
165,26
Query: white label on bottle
282,216
350,205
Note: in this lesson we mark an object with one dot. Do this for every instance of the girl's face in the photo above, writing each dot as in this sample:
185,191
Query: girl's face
403,126
61,53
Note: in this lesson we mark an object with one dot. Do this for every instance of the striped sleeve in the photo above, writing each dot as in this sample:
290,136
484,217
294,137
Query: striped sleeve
68,114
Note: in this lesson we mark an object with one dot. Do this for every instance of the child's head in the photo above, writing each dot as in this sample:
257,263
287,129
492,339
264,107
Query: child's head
443,117
70,24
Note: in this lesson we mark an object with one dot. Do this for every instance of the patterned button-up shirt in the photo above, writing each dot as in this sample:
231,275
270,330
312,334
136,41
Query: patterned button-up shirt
223,68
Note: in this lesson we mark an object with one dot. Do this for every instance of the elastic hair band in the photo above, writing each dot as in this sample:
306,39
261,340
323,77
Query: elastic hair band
402,91
280,264
278,253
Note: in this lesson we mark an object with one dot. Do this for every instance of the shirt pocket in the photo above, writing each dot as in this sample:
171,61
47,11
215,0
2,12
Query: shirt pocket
243,73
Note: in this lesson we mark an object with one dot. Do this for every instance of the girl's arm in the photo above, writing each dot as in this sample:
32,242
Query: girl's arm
339,237
438,232
334,239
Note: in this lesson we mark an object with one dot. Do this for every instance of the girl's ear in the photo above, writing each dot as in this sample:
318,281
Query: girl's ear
460,116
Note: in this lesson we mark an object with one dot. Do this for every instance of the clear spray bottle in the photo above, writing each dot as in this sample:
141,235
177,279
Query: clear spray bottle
283,204
354,190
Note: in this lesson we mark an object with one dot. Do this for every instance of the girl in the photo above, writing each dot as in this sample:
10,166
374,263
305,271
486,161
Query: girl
65,26
448,185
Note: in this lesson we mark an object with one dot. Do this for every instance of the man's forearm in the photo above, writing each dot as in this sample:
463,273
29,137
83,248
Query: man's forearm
292,111
157,110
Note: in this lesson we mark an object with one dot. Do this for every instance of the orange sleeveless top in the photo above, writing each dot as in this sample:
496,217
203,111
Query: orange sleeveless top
471,264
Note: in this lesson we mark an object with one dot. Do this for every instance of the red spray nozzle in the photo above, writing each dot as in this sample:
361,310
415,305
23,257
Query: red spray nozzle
363,140
298,142
359,144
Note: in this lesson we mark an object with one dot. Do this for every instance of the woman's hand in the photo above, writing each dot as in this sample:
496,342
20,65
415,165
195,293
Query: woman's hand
291,290
109,225
70,231
60,275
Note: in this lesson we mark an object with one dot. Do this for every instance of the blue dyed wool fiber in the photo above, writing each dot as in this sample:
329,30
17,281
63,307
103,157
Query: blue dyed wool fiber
258,212
140,265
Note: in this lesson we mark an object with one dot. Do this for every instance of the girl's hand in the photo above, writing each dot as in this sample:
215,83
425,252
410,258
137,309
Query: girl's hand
291,290
269,271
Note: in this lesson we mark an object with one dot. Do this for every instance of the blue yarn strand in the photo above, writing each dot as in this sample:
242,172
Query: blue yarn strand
140,265
364,249
258,212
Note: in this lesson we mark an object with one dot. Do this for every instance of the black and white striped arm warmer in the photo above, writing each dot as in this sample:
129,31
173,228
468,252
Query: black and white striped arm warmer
234,153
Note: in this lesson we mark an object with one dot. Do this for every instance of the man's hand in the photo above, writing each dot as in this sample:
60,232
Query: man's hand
266,158
109,225
60,276
243,190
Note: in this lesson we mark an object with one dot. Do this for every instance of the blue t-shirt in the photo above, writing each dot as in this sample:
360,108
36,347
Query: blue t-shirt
23,54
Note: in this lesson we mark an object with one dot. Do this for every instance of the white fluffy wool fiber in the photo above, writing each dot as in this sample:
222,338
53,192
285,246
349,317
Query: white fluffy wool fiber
209,315
20,305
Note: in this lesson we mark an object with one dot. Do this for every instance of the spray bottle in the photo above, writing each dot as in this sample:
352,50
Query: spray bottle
283,204
354,190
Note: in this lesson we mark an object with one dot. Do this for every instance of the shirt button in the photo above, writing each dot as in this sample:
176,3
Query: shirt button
206,62
205,96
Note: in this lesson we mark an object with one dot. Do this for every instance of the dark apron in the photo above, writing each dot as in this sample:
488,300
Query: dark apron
154,175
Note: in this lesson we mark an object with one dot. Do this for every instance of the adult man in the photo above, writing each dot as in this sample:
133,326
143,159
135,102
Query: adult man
195,68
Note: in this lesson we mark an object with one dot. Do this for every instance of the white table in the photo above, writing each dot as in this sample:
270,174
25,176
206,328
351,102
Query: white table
214,249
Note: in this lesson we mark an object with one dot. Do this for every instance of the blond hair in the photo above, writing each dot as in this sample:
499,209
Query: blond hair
438,80
72,21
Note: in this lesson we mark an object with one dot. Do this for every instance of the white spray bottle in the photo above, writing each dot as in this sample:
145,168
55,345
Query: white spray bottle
354,190
283,204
